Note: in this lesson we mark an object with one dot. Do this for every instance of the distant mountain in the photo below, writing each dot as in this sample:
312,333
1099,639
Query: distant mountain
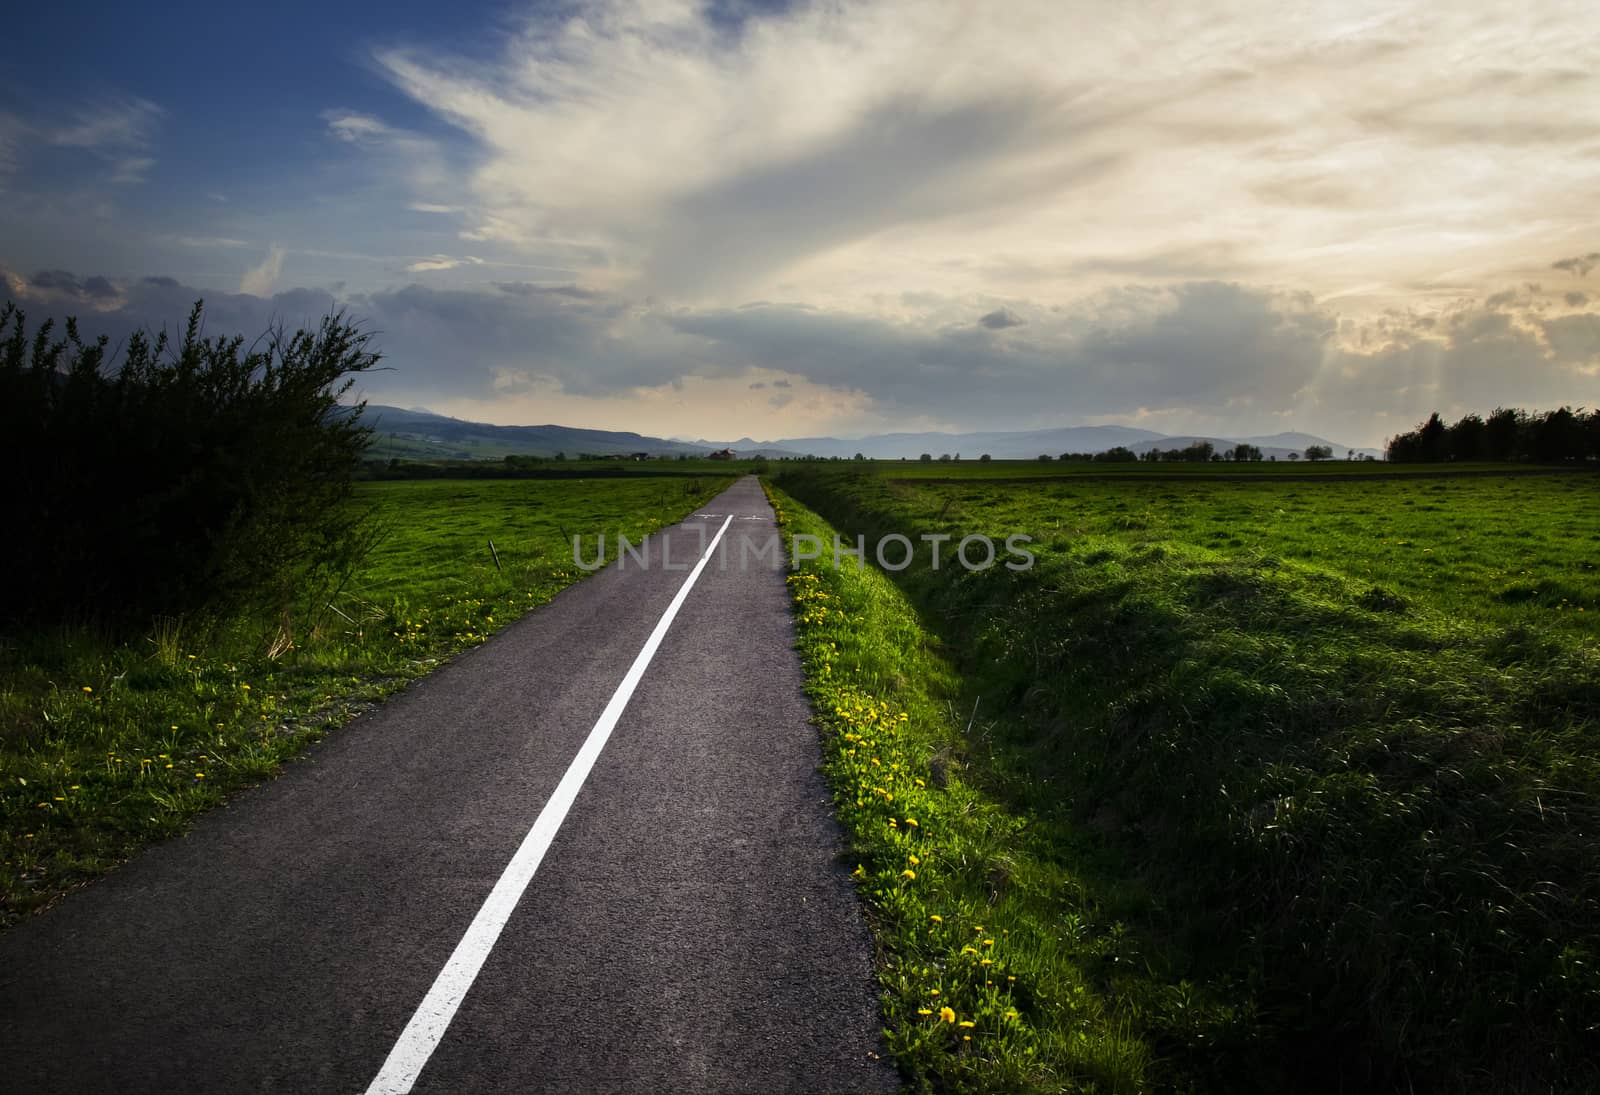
420,434
1002,445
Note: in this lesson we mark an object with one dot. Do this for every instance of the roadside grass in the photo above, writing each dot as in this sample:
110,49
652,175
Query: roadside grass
1003,953
105,747
1340,737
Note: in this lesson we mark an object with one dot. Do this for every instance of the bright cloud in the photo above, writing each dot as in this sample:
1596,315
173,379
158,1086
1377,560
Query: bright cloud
839,150
261,278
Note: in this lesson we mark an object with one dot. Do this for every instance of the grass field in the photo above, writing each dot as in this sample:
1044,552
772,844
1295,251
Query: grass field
1058,469
1304,773
104,748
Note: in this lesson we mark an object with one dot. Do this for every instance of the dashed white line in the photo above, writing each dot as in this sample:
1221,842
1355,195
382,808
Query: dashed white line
427,1026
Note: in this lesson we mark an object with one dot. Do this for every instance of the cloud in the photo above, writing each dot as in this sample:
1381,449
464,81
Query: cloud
1206,356
834,152
441,262
432,207
209,241
260,278
1000,319
131,169
353,128
118,124
1578,264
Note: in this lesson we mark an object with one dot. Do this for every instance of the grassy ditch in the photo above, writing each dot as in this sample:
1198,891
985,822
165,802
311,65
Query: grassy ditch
106,747
1006,956
1334,744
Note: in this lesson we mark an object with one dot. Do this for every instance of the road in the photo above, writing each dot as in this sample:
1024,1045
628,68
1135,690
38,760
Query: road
691,927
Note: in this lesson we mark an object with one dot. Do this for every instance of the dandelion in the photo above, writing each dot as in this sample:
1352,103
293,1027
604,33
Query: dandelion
968,1023
933,992
947,1014
908,874
911,821
936,918
987,962
86,688
988,942
1011,1015
924,1011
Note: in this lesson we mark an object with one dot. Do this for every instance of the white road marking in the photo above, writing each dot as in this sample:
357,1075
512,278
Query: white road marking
427,1026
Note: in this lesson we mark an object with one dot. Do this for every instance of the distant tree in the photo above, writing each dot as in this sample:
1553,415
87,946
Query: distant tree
1435,438
1468,438
1500,434
926,458
1294,456
944,458
984,459
1244,452
1045,457
1118,454
859,456
1316,453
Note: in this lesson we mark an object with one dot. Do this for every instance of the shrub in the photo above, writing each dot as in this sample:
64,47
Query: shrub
204,478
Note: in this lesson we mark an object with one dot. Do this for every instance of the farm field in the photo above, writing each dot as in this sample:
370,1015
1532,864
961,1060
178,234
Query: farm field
104,748
1265,784
1141,469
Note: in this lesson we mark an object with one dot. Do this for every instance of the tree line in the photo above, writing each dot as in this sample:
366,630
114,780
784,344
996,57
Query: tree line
1511,435
193,479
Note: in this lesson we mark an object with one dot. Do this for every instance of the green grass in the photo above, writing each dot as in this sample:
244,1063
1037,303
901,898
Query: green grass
1324,752
978,907
104,748
1266,469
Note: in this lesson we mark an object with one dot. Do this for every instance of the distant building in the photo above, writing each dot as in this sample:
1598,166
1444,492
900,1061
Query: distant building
641,456
723,454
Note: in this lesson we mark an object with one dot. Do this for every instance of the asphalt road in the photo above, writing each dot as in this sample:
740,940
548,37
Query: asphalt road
690,929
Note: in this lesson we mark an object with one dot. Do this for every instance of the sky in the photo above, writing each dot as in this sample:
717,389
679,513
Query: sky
776,220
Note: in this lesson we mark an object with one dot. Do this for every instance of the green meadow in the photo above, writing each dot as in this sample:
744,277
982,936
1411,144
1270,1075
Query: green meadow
105,747
1256,783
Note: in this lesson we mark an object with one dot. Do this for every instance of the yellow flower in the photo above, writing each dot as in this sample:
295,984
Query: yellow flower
987,962
908,873
86,688
988,942
911,821
933,992
924,1011
947,1014
915,861
1011,1015
969,950
936,918
968,1023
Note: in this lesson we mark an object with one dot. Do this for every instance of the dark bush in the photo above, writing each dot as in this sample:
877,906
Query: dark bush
198,479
